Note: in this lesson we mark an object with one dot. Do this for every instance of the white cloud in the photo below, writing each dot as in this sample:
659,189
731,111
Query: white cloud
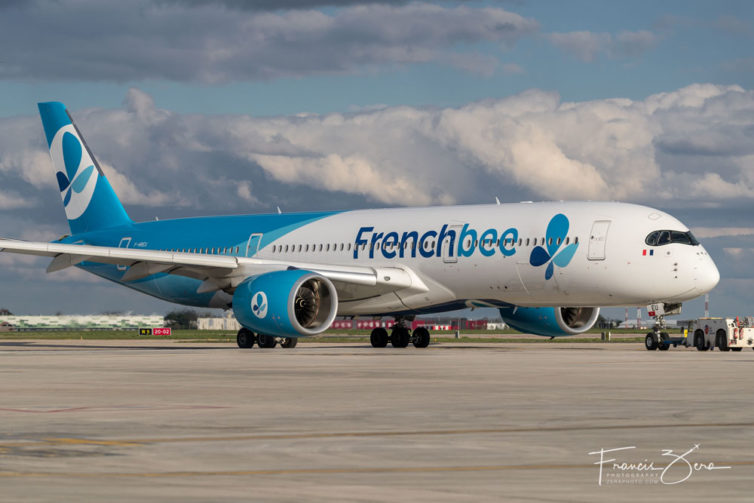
588,46
10,201
716,232
583,45
692,145
207,42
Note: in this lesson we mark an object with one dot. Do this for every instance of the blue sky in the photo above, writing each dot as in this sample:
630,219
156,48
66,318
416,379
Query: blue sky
645,101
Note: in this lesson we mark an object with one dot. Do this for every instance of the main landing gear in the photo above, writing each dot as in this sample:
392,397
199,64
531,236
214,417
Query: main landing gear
400,337
246,339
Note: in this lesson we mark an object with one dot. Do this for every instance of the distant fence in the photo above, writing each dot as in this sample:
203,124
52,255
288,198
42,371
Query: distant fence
75,323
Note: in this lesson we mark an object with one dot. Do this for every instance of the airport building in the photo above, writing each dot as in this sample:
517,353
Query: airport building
97,322
225,323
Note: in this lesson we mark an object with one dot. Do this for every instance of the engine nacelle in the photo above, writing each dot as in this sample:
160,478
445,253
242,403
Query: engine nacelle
551,321
286,303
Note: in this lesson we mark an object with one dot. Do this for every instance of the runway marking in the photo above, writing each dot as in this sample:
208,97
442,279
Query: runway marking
322,471
357,434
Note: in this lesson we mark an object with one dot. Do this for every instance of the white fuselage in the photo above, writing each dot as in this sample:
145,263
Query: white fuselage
612,264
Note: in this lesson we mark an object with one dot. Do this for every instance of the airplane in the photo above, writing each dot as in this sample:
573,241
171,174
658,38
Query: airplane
547,267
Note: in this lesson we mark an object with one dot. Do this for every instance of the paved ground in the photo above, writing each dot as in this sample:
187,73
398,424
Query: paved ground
162,421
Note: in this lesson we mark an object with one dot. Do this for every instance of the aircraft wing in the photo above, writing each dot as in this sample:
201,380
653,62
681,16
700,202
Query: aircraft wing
217,272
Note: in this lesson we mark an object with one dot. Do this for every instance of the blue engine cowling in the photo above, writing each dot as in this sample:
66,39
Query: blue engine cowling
289,303
550,321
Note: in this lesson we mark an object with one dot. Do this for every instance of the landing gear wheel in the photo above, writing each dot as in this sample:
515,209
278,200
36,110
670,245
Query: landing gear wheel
245,338
650,341
400,336
664,343
378,338
266,341
736,349
289,342
420,337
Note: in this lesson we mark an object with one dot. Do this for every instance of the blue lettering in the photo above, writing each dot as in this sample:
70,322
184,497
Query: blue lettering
488,249
425,236
451,235
404,239
375,237
360,241
513,233
462,243
466,232
391,239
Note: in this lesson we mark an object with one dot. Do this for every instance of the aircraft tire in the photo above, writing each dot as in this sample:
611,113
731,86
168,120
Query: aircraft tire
378,338
650,342
421,337
245,338
400,337
289,342
736,349
266,341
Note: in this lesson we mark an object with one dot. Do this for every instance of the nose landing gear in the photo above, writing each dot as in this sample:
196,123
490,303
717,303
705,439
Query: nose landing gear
659,338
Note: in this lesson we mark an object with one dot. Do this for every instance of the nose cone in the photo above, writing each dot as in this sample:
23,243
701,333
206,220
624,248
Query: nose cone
707,276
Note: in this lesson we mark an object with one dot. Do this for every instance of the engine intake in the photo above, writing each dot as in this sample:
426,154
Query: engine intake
286,303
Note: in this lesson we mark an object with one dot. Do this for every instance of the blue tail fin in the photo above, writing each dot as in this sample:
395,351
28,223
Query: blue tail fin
89,201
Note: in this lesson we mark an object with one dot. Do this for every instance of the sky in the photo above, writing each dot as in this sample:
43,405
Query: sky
207,107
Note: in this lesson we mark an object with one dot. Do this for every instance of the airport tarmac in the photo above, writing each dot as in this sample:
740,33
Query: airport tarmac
171,421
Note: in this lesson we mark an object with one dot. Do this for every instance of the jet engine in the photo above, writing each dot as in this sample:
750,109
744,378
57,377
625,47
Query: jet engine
550,321
288,303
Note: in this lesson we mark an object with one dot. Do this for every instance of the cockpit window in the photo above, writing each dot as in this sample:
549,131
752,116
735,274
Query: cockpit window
660,238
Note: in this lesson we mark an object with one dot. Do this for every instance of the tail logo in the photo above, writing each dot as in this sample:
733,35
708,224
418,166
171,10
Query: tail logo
77,177
553,256
259,305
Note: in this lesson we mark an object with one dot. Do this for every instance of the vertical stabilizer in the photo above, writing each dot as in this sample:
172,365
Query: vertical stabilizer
89,201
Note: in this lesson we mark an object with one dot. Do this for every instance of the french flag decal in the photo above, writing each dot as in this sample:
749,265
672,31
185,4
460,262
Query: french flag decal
644,252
